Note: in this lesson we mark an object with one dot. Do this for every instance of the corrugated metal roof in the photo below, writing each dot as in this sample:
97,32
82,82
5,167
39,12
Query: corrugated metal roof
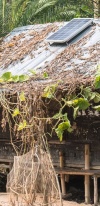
25,48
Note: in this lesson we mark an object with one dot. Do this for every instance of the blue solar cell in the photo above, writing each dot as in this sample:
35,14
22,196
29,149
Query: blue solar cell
70,30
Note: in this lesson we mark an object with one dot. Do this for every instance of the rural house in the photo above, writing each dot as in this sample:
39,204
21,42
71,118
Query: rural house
56,86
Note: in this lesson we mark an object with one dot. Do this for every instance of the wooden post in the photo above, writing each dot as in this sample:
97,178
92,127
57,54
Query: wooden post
95,190
63,186
87,178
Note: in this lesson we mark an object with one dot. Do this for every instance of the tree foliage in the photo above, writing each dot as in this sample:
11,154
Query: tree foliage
22,12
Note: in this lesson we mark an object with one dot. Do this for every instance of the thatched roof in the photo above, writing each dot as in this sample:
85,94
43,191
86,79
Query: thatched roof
26,49
67,66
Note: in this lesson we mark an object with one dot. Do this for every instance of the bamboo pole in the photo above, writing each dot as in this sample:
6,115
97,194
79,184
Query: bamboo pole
63,186
87,178
95,190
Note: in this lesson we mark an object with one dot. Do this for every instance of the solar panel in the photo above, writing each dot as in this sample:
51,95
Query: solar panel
70,30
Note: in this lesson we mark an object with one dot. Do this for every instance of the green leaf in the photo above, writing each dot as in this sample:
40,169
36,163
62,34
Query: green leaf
61,128
69,103
81,103
22,97
97,82
15,112
32,71
61,116
75,112
44,6
93,94
59,134
49,91
1,80
87,92
23,78
47,95
64,117
6,76
45,75
97,97
15,78
97,108
57,116
22,125
64,125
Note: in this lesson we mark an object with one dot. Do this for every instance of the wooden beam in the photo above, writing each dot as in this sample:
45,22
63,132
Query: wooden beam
87,178
9,159
4,166
72,171
63,186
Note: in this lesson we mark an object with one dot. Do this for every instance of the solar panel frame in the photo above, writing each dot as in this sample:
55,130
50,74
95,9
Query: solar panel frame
56,37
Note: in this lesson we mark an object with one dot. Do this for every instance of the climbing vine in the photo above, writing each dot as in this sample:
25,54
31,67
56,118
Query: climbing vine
24,111
86,98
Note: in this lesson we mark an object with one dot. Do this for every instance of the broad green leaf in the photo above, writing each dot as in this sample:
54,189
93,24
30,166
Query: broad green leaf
45,75
75,112
53,88
97,97
7,76
64,117
15,112
22,125
97,108
97,82
64,125
87,92
93,94
59,134
23,78
49,91
61,128
81,103
22,97
61,116
75,101
15,78
47,95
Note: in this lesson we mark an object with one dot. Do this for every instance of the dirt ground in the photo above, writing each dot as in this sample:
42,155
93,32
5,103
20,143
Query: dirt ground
4,201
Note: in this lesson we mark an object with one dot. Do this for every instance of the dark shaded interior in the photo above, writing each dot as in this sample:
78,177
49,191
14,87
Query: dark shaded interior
75,189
